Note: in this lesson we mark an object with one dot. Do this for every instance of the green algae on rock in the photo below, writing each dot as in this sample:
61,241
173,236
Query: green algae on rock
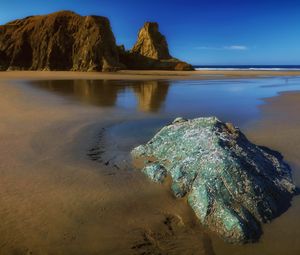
231,184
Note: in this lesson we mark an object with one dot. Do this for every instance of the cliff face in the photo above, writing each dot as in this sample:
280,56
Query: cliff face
67,41
59,41
151,52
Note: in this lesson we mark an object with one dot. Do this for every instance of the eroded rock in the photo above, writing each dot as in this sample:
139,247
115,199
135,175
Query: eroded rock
151,43
151,52
59,41
231,184
67,41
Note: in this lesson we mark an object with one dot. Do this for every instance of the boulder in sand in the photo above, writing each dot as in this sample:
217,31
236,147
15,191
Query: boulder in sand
231,184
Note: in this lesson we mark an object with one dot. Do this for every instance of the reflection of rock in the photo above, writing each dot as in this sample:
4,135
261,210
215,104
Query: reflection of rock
151,95
230,183
94,92
151,52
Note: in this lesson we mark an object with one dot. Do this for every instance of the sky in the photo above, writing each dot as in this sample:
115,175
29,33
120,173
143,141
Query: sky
203,32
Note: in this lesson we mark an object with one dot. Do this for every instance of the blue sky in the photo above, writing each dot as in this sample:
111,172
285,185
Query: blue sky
204,32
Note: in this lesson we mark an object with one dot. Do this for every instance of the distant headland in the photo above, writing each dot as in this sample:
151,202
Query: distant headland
66,41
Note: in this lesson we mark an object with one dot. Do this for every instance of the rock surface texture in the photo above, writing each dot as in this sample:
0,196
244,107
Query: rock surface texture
151,52
231,184
59,41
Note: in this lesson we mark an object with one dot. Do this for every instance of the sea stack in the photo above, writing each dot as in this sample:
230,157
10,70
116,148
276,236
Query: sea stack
232,185
151,52
59,41
151,43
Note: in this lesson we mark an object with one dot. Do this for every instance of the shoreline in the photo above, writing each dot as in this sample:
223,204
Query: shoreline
143,75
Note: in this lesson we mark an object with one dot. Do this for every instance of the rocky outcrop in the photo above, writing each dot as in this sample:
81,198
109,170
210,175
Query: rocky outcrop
59,41
68,41
151,43
151,52
231,184
134,61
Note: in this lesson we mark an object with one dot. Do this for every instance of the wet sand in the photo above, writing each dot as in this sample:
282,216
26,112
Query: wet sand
140,75
55,200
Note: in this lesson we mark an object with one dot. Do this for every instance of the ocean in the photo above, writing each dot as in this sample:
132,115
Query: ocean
249,67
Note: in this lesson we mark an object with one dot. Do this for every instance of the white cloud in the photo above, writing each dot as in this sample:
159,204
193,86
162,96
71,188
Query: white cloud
231,47
236,47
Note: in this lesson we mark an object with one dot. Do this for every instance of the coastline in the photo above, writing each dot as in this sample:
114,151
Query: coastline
143,75
175,131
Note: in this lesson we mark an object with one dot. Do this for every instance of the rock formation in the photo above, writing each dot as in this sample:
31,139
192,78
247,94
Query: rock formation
151,52
151,43
231,184
68,41
59,41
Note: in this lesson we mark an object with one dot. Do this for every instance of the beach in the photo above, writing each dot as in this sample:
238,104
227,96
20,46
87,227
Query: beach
141,75
56,200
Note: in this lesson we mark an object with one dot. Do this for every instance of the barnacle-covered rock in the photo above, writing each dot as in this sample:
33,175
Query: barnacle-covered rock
231,184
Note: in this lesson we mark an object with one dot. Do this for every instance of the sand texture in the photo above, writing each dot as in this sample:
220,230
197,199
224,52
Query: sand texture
140,75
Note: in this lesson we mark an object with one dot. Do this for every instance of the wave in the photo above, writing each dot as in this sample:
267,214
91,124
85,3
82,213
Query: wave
244,68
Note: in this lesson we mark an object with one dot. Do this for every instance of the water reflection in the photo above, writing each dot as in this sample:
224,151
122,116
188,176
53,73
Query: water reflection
234,100
149,95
